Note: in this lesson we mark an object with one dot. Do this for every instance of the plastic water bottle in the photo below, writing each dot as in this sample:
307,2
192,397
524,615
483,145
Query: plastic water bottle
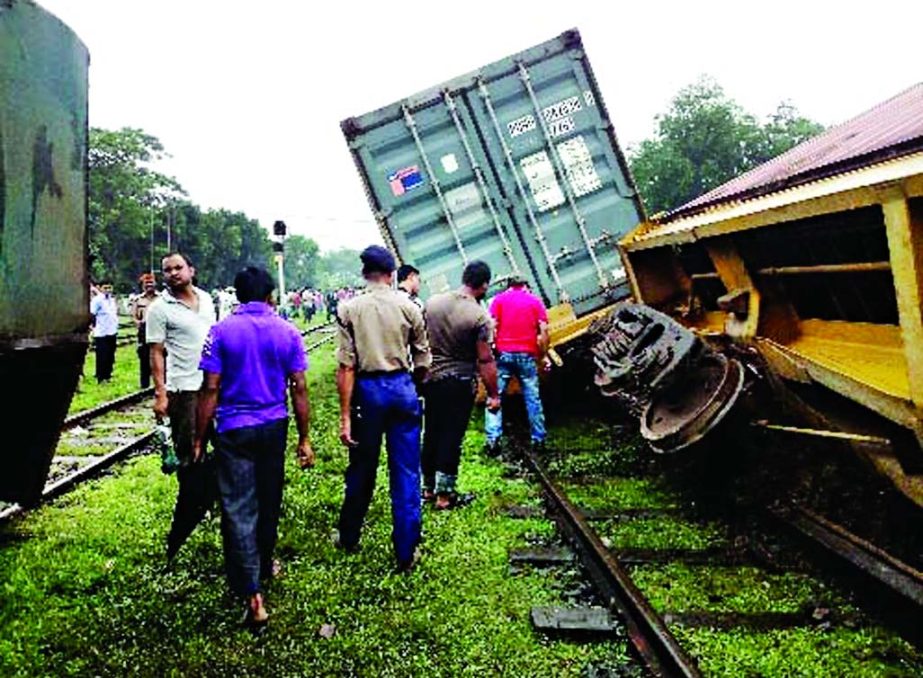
164,443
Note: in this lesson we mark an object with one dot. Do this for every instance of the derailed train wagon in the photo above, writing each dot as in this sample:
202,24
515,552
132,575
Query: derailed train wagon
43,239
516,164
810,269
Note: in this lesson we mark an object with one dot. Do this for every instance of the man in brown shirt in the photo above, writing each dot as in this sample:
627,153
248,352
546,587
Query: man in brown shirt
459,333
381,338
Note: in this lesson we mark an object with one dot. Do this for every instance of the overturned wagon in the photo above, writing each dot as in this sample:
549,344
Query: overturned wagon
43,239
813,262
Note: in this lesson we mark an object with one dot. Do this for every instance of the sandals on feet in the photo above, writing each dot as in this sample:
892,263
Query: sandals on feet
255,615
452,500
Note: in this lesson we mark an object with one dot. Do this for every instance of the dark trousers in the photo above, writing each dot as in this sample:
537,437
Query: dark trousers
144,360
448,408
105,356
385,405
251,471
198,489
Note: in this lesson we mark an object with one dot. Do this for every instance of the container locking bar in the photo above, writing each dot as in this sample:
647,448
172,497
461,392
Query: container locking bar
559,168
412,126
508,154
475,165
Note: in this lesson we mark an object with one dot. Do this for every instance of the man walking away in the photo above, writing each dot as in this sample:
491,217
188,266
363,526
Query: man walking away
408,282
380,338
459,334
139,313
179,322
249,361
105,330
332,301
521,340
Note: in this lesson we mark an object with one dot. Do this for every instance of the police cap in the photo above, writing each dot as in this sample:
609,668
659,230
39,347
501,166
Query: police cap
376,259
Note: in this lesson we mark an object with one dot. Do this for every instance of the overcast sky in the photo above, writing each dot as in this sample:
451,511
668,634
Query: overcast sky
247,97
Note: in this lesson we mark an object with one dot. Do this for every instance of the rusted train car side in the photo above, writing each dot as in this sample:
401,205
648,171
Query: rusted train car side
815,259
43,238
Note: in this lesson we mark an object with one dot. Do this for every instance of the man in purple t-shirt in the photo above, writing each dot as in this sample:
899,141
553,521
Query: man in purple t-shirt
249,361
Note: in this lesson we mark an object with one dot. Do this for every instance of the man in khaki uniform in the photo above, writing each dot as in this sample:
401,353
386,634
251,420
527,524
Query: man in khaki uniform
381,339
139,313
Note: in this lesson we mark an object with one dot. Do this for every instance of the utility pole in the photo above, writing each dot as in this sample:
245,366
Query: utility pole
169,220
278,231
151,220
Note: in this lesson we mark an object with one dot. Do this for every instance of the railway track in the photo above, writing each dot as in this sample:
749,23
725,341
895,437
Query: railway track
658,565
80,454
93,441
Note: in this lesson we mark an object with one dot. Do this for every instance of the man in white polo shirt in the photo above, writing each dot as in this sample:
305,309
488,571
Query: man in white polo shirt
179,322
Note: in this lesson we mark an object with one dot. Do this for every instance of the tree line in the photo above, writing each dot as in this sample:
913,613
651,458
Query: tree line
705,139
136,213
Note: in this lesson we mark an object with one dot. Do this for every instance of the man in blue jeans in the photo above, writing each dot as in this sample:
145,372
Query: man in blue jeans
249,361
521,331
381,339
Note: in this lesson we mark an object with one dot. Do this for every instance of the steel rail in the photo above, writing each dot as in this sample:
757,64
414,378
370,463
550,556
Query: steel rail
70,481
319,343
81,418
858,553
647,631
317,328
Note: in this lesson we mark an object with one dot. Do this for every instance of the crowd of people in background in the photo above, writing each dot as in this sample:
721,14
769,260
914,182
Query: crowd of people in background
106,308
225,363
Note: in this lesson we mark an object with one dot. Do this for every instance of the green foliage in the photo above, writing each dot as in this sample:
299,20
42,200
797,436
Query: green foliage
339,268
135,211
301,262
706,139
124,197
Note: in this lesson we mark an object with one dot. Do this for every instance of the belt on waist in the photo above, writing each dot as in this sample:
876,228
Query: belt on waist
381,373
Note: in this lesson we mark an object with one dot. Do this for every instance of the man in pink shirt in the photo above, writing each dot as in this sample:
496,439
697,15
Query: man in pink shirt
522,341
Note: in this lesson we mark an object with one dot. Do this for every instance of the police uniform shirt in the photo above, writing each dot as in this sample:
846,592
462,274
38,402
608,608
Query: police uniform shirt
377,327
413,297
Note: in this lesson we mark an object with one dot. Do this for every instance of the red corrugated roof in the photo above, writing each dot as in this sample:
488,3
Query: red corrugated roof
890,129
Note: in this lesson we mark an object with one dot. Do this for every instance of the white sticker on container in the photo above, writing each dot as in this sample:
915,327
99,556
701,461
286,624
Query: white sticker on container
578,166
539,172
561,127
618,274
521,125
589,99
449,163
562,109
466,205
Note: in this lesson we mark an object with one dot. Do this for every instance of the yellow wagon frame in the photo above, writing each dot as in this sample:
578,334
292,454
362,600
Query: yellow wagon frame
878,366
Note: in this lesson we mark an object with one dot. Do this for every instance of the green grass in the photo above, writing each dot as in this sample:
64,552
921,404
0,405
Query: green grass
688,588
85,593
125,380
661,533
788,653
106,432
620,493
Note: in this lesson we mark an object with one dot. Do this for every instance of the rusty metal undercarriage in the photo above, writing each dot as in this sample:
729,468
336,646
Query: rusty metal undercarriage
664,374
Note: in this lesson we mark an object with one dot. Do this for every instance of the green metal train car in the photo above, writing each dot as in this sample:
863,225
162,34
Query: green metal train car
44,287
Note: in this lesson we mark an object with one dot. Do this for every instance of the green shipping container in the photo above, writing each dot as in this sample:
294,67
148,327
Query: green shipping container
515,164
44,291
